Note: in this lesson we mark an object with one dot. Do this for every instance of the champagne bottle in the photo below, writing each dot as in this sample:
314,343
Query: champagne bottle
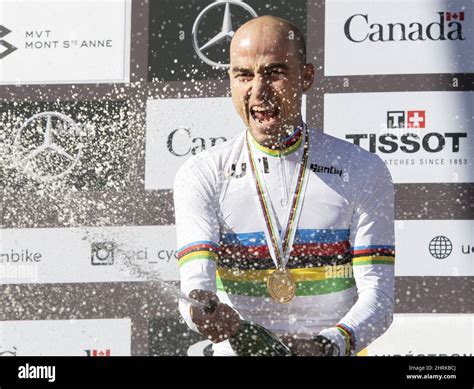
253,340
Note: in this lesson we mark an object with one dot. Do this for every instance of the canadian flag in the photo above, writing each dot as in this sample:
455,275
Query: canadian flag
101,353
454,16
98,353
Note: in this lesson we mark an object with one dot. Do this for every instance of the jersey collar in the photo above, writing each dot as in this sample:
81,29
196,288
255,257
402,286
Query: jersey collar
292,143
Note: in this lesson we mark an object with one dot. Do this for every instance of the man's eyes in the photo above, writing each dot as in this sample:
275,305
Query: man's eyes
268,73
244,75
277,72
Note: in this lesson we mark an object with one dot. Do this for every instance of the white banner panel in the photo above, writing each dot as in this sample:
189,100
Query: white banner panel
434,247
176,129
122,254
426,334
65,41
398,37
92,337
421,136
88,254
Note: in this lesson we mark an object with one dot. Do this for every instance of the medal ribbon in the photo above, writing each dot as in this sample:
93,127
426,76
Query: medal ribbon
280,250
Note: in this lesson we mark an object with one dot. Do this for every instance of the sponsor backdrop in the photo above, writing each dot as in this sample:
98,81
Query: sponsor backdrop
54,36
91,138
92,338
383,37
421,136
169,143
426,334
94,254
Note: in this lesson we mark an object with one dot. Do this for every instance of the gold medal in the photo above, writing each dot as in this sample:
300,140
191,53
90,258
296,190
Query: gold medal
281,286
280,283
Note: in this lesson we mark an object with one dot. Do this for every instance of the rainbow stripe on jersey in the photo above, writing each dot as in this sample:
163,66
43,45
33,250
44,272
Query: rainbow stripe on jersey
375,254
321,261
198,250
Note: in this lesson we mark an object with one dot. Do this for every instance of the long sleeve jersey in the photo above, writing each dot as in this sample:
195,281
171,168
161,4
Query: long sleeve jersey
343,254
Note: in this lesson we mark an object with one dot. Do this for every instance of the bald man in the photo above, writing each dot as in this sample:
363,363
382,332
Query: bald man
284,225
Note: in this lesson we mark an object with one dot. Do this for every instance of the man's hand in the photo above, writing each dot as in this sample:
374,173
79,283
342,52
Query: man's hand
217,321
304,347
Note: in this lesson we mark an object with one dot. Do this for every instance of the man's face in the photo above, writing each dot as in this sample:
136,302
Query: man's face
267,81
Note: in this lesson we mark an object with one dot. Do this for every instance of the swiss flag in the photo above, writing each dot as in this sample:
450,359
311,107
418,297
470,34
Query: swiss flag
416,119
454,16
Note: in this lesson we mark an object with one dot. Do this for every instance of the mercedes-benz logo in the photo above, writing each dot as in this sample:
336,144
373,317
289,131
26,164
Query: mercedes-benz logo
440,247
8,353
226,33
47,146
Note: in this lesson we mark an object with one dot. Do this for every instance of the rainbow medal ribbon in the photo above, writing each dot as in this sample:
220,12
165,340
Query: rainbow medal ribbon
280,284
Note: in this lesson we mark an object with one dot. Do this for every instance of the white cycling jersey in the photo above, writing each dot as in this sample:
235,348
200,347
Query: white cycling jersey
343,254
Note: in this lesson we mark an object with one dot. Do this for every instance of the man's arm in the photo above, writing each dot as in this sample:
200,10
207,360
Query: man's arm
372,244
197,228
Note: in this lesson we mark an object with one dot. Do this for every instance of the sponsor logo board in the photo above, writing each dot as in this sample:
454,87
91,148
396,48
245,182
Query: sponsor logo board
97,337
67,41
79,144
95,254
434,248
189,40
422,136
385,37
177,129
426,335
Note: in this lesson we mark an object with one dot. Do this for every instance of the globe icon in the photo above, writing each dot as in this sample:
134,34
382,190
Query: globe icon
440,247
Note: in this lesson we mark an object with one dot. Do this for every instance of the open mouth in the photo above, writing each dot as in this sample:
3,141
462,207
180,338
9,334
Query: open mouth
265,114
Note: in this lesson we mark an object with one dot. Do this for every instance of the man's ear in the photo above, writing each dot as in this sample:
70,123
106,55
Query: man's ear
308,76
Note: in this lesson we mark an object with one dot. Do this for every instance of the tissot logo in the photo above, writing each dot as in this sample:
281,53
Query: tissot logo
5,47
360,28
410,119
408,142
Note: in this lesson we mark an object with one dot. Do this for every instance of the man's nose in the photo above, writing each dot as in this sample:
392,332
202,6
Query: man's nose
261,87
